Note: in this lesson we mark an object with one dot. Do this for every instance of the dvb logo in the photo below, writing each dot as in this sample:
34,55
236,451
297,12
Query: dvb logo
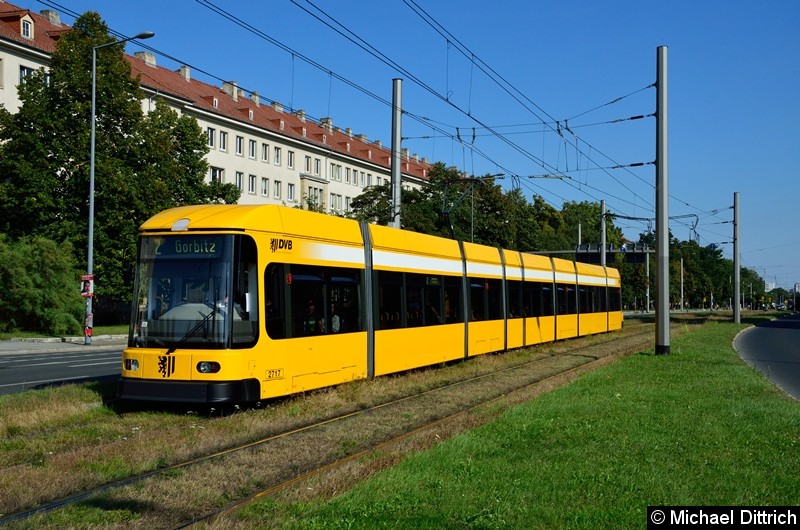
276,244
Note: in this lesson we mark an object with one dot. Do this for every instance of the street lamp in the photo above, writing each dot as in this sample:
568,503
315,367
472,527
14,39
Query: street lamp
87,330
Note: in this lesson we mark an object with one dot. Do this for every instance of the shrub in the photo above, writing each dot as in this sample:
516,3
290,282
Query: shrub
39,287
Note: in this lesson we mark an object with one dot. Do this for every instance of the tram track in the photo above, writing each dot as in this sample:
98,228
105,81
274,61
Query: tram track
272,464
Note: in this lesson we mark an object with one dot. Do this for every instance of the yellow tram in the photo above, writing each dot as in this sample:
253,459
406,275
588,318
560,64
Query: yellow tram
243,303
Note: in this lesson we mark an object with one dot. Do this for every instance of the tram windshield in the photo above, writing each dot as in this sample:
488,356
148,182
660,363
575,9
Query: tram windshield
195,291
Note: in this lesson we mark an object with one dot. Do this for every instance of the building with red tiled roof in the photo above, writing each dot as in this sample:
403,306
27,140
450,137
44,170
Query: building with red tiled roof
274,156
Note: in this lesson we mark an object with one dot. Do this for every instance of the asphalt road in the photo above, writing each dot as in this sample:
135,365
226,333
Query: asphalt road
36,369
773,348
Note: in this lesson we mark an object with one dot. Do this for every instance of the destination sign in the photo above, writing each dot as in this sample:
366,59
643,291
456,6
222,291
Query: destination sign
184,246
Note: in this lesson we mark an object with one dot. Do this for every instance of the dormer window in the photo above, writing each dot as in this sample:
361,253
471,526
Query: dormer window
26,28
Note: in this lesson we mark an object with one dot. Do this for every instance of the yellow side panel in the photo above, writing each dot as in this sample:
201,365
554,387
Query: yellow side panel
566,326
403,349
593,323
485,337
305,363
540,329
514,329
615,320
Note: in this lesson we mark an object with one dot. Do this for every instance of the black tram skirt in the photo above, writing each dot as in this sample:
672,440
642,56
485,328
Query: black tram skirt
190,391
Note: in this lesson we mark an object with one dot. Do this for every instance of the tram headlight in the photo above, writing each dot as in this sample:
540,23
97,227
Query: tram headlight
208,367
131,365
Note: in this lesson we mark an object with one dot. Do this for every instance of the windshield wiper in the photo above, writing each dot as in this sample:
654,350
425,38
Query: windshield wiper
201,323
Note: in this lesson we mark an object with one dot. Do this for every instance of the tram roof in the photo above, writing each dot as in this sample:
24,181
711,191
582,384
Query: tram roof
254,218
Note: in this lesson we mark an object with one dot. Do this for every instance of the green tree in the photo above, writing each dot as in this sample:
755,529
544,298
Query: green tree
143,164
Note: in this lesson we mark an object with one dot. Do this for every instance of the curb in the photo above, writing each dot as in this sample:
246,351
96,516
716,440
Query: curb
69,340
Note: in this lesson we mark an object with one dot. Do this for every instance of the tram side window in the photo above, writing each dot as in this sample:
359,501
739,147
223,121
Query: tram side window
614,299
515,304
592,299
494,298
390,298
275,311
303,300
307,288
477,302
344,300
566,299
243,303
548,307
433,300
537,299
415,300
585,299
452,300
600,300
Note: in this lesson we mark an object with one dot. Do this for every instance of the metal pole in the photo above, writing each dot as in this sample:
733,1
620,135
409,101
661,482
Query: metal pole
397,114
89,322
647,290
662,208
737,315
602,233
681,283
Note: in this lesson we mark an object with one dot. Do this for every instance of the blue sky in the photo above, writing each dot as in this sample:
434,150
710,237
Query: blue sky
733,83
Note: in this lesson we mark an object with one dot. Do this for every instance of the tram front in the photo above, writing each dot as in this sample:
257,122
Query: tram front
194,320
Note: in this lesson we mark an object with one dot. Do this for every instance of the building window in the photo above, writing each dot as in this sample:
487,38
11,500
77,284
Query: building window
240,145
347,204
276,189
347,175
24,72
27,29
336,172
251,184
336,202
317,166
240,180
223,141
265,186
369,179
251,149
264,152
211,136
363,179
277,158
378,181
315,196
290,159
308,164
290,192
217,174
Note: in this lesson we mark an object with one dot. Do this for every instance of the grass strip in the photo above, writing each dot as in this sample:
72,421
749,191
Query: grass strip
697,427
